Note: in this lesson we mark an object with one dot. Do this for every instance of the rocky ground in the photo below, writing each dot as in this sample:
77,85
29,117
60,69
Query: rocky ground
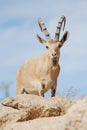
31,112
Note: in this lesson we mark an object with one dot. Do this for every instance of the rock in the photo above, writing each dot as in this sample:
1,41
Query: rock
46,123
34,106
7,115
28,107
74,119
38,106
33,101
10,115
77,115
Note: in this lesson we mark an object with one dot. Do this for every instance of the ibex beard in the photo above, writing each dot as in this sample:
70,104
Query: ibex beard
39,74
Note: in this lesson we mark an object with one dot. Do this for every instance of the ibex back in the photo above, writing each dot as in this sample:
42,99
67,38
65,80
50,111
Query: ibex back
39,74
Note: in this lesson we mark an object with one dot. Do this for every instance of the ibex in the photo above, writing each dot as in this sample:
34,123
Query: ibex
39,74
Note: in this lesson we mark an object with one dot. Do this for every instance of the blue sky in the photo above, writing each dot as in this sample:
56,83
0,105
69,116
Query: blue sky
18,42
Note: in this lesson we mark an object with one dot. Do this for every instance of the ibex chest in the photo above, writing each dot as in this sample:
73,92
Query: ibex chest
49,75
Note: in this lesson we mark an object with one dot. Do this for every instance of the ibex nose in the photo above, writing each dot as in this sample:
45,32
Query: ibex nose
54,54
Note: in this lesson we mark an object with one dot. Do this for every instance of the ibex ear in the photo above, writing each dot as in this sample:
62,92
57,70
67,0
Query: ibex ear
64,38
41,40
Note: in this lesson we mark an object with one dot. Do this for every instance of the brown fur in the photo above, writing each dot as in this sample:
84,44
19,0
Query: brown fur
39,74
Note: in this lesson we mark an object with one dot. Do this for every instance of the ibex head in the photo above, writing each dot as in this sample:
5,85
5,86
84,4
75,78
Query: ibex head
53,45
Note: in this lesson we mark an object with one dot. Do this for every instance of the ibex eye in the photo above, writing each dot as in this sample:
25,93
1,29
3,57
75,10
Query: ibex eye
47,47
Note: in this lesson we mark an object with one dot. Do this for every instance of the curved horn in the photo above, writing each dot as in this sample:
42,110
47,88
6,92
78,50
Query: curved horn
44,29
58,29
